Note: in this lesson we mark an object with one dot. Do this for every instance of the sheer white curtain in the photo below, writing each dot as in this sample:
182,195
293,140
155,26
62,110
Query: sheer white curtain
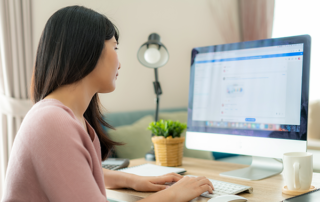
15,72
297,17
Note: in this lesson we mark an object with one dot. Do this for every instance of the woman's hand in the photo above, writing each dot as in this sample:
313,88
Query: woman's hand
140,183
189,188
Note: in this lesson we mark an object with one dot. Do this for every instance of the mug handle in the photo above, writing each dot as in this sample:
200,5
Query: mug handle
296,168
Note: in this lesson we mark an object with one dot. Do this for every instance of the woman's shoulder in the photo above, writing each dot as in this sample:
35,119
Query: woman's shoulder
50,110
47,117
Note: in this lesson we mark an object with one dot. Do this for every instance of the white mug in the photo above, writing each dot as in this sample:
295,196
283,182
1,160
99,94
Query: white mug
298,170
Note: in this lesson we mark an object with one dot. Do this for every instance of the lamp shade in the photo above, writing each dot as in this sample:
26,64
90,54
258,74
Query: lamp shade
153,53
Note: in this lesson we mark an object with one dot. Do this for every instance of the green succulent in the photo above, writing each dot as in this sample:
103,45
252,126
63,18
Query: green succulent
167,128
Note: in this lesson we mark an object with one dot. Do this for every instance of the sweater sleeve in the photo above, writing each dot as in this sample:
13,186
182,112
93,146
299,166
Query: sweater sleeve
61,154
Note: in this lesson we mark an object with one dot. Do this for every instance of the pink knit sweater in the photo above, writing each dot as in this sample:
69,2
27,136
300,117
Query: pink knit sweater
54,159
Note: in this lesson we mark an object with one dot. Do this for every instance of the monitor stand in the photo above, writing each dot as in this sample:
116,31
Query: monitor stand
260,168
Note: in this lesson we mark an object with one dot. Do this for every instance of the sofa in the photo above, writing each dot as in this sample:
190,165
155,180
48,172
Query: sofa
131,129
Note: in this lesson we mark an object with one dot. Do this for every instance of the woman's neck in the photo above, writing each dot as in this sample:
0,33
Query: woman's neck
76,96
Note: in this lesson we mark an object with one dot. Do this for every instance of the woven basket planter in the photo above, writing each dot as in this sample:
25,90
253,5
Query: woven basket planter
168,152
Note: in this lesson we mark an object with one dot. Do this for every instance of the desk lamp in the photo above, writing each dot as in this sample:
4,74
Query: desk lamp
153,54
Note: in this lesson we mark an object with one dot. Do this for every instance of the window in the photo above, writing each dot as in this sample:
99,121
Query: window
298,17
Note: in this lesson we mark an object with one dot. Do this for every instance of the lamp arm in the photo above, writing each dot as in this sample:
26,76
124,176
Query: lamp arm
157,91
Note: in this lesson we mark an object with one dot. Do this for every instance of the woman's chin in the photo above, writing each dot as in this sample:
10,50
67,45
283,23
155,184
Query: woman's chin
108,90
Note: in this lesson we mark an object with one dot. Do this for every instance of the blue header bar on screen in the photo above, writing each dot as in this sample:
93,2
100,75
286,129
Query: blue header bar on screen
252,57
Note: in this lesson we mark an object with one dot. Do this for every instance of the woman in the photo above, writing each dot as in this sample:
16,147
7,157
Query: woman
58,150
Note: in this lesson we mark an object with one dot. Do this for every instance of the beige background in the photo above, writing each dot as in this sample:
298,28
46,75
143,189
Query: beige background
182,25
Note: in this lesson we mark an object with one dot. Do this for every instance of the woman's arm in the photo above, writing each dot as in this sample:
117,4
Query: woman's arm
185,188
116,179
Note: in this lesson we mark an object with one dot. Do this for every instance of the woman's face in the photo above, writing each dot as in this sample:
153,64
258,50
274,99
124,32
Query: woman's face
105,73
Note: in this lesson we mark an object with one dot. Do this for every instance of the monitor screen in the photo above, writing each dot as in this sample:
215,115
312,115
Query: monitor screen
256,88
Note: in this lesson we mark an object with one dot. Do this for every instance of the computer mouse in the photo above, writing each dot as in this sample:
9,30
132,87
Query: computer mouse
228,198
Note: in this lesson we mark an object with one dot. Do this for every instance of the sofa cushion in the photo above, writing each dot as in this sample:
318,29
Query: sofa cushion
136,137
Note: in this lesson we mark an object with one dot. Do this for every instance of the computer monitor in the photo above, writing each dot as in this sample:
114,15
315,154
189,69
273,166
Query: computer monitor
250,98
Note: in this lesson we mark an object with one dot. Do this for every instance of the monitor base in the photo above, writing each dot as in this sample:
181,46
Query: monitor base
260,168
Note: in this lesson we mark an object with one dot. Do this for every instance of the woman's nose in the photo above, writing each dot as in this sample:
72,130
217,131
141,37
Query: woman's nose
119,65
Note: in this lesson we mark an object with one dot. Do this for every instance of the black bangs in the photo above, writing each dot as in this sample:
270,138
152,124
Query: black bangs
111,30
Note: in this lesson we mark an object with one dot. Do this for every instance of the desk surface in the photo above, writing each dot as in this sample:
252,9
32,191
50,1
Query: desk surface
269,189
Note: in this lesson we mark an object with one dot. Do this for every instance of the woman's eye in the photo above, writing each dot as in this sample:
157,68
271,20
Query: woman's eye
116,48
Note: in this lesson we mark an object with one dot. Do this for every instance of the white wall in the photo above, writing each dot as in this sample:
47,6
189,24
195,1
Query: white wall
182,25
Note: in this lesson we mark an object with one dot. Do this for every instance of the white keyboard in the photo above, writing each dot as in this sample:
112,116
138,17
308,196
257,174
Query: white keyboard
225,188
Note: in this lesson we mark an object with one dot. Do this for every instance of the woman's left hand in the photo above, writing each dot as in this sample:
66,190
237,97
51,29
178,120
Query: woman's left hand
141,183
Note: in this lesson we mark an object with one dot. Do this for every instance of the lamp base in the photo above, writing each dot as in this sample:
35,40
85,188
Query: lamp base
150,156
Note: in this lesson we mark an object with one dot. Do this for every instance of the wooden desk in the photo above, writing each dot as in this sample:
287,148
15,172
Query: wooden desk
267,190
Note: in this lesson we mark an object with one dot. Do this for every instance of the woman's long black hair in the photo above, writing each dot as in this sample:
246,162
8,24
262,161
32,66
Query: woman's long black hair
69,48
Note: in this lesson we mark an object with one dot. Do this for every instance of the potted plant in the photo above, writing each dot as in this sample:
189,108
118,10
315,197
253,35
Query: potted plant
168,143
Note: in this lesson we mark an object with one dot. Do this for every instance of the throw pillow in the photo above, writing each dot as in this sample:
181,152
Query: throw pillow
136,137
